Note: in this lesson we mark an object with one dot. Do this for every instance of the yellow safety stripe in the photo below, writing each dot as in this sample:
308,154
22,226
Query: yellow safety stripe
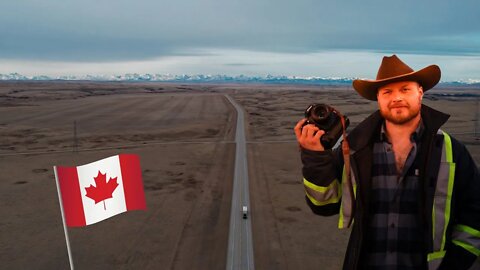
444,190
436,255
448,147
467,229
468,247
451,179
467,238
355,190
319,203
321,189
340,218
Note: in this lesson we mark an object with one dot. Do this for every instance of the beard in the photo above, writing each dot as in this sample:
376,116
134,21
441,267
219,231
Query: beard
400,115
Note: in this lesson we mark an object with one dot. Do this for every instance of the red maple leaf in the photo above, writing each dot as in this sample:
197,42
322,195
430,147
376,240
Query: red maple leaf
103,190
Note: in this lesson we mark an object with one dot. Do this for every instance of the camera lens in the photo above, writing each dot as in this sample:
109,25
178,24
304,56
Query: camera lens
320,112
327,119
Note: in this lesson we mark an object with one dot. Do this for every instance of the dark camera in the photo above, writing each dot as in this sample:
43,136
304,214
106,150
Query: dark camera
328,119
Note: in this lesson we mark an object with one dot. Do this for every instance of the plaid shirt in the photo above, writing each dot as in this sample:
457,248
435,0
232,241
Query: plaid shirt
394,234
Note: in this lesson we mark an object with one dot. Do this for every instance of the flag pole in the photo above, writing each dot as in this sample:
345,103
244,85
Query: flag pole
63,219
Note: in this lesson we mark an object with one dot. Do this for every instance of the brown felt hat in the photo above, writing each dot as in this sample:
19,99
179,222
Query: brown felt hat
392,70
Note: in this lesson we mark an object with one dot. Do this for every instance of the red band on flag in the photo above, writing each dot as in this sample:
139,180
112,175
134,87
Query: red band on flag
132,183
91,181
71,196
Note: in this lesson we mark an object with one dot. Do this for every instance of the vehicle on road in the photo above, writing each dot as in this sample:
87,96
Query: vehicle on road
244,212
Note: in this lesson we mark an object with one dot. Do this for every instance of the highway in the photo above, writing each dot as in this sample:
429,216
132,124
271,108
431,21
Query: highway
240,245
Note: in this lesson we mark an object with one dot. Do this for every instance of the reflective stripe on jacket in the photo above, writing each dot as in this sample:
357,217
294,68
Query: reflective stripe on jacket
453,223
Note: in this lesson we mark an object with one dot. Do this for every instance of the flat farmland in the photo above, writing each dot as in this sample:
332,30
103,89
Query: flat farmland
184,136
186,153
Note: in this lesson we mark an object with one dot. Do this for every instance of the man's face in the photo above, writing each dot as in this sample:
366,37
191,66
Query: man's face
400,102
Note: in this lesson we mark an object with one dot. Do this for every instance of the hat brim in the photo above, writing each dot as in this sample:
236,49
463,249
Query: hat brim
427,77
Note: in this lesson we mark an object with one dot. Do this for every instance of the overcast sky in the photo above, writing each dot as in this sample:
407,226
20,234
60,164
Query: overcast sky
253,37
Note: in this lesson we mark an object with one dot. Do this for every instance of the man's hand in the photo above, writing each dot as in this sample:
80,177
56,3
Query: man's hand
308,136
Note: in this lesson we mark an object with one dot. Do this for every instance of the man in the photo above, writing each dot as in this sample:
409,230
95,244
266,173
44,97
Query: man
411,190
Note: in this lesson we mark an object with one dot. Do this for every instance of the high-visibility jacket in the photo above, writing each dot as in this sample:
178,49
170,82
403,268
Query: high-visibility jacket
449,199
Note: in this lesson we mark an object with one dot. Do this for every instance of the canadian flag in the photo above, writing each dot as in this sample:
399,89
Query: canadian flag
96,191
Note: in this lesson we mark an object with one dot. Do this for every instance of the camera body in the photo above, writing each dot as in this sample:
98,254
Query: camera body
328,119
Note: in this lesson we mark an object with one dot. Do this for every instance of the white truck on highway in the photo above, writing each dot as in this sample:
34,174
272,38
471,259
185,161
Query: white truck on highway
244,212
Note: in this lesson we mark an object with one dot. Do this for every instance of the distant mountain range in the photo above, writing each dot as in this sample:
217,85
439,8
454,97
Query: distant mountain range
135,77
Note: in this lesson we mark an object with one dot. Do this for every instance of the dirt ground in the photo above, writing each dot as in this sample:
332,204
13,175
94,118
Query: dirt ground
186,152
183,134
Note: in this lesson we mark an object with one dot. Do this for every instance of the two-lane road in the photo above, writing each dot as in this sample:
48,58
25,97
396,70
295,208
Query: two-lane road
240,245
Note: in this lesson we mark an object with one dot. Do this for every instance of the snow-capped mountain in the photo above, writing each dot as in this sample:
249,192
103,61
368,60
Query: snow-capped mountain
199,78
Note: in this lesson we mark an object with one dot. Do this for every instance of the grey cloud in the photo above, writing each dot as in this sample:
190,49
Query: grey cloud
129,30
240,64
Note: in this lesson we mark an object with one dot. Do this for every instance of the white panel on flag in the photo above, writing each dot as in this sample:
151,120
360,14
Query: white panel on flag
113,206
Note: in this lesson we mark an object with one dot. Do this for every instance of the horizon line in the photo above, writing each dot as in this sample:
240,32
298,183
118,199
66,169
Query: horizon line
199,78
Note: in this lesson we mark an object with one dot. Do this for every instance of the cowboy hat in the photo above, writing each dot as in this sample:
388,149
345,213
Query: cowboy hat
393,69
